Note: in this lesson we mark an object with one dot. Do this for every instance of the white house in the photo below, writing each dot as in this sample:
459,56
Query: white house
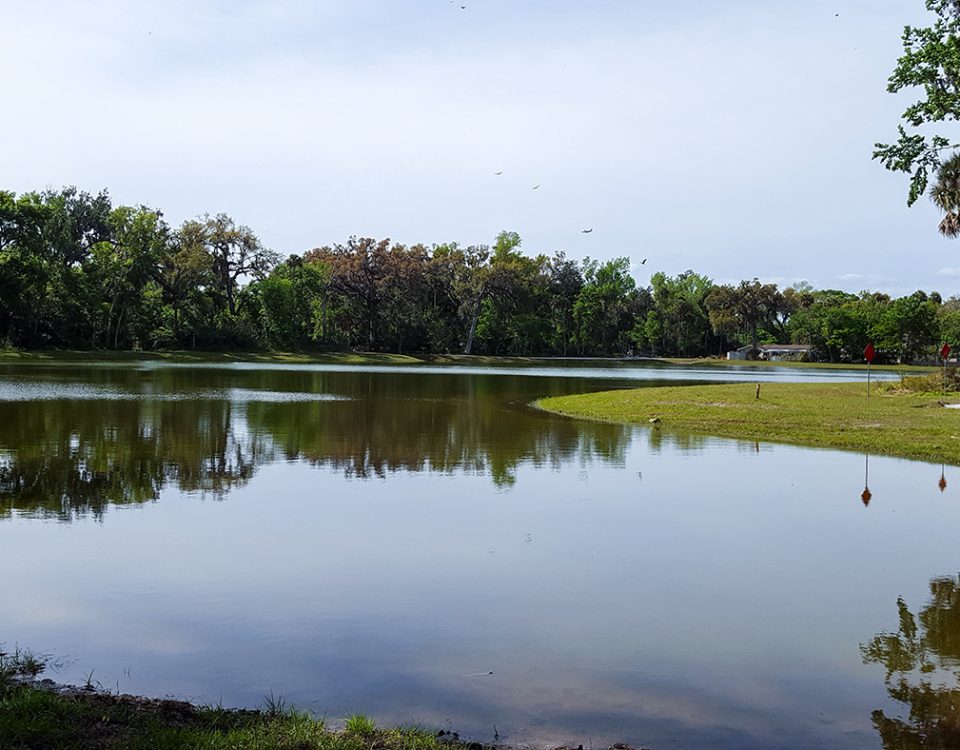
772,352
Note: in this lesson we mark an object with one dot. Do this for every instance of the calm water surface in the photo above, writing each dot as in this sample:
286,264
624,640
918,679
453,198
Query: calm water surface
421,545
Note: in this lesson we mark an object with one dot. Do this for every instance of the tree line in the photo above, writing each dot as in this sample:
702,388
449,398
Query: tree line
78,272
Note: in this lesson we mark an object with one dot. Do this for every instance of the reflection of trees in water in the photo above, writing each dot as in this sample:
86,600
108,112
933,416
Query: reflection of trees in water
64,457
683,441
376,437
922,661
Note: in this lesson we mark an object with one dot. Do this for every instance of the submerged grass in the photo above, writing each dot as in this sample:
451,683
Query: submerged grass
895,421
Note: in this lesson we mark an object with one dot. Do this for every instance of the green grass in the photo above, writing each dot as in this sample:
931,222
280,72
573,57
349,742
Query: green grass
361,725
33,717
894,422
36,719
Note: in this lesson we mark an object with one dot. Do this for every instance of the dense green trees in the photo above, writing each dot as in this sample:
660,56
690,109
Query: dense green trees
76,271
746,308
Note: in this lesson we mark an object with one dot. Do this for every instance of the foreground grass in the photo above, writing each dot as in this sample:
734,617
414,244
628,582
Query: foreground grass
38,719
895,421
39,716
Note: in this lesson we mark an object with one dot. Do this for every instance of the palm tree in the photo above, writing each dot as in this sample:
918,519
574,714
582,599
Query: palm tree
946,194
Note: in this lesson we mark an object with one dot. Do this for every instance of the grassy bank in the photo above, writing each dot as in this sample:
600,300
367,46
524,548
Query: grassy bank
45,716
33,718
895,421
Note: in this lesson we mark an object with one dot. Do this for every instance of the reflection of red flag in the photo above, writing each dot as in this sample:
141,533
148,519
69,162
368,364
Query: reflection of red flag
945,351
868,353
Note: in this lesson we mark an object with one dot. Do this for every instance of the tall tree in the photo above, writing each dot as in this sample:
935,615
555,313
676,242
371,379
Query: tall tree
747,308
357,273
602,309
124,265
931,62
186,275
237,253
24,268
566,281
678,322
946,194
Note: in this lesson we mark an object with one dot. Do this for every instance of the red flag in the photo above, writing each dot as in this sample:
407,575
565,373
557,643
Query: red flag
868,353
945,351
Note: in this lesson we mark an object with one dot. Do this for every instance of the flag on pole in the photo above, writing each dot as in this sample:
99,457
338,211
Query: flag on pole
870,351
945,351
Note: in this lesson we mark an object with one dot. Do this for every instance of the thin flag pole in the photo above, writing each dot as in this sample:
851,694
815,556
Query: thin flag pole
944,353
868,380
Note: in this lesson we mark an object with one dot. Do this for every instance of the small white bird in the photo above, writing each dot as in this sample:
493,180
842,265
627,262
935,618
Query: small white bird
535,187
499,173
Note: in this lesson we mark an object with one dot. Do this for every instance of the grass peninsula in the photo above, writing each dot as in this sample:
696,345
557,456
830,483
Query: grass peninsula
900,419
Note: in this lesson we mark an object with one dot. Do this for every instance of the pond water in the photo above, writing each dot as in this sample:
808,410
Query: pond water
421,545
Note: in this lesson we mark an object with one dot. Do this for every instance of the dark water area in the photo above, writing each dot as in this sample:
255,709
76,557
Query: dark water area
419,544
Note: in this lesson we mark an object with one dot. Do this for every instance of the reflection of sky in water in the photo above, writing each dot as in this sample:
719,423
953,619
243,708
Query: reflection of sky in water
60,391
669,592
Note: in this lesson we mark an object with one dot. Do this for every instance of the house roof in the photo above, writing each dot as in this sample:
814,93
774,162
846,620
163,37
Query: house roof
777,348
785,347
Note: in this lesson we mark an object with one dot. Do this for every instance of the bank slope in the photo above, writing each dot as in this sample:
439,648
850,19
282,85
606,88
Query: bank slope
825,415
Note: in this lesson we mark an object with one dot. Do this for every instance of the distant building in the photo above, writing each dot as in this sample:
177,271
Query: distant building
772,352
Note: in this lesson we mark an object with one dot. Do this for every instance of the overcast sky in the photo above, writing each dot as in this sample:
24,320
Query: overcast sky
731,137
